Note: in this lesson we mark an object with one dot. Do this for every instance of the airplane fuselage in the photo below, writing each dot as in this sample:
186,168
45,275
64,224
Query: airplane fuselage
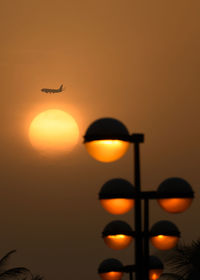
51,90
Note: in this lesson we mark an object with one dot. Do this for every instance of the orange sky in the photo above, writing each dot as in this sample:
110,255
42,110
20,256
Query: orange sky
137,61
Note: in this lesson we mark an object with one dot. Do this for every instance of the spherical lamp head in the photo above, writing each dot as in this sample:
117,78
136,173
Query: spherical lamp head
175,195
117,235
164,235
110,269
116,196
107,139
155,268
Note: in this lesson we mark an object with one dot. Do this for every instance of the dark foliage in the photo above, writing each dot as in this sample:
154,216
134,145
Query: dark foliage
38,277
4,260
19,273
184,261
170,276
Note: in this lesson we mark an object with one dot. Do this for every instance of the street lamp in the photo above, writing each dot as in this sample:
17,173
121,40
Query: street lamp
164,235
116,196
117,235
181,193
155,268
111,269
107,140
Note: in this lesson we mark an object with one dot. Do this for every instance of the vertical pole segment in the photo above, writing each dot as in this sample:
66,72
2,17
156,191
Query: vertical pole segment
146,238
138,222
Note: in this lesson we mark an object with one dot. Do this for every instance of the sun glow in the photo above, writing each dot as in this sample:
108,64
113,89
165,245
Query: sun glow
53,132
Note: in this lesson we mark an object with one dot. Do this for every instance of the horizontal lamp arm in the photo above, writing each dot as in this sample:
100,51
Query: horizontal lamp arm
129,268
137,138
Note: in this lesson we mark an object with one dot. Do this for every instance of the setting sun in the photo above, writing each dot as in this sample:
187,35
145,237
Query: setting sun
53,132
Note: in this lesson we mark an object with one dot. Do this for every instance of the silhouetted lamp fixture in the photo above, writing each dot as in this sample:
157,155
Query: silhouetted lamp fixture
155,268
177,195
116,196
164,235
117,235
107,139
110,269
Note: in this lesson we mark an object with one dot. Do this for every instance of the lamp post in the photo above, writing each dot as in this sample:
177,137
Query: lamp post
107,140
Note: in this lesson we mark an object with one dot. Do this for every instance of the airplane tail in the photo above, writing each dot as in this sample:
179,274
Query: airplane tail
61,88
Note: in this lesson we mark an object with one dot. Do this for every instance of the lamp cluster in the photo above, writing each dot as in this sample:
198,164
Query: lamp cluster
108,140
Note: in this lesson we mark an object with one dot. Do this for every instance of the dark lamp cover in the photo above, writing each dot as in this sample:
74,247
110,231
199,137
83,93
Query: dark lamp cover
110,265
164,228
117,188
175,188
106,128
155,263
117,227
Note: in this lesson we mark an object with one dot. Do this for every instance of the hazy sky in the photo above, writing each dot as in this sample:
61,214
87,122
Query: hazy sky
137,61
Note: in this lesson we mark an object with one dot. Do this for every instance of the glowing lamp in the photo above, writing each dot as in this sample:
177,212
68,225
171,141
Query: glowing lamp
164,235
175,195
110,269
154,274
118,241
117,235
107,139
112,275
117,206
116,196
155,268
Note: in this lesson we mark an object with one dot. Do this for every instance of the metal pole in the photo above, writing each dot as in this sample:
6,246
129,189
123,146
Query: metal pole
130,275
146,238
138,227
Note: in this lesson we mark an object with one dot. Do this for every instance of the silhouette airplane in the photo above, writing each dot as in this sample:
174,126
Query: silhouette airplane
52,90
